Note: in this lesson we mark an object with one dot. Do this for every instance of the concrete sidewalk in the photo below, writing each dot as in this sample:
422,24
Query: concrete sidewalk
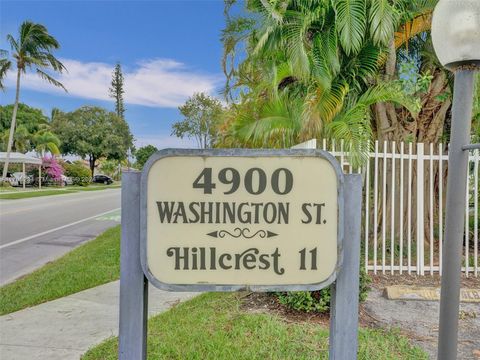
66,328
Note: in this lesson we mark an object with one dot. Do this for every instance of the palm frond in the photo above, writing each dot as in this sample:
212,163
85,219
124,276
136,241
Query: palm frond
359,70
383,19
412,28
387,92
326,63
5,65
353,123
50,79
321,106
55,63
13,43
278,123
351,19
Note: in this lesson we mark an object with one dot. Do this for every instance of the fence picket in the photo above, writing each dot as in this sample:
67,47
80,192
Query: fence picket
420,204
392,218
440,207
431,209
367,211
409,207
402,149
475,212
375,209
467,230
384,205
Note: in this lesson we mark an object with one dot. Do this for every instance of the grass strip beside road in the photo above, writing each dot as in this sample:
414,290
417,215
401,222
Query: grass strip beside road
54,191
214,326
94,263
32,194
95,188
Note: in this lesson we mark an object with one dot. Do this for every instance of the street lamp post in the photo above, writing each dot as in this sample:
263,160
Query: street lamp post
456,39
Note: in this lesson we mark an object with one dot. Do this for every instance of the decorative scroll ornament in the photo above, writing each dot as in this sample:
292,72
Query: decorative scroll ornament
245,233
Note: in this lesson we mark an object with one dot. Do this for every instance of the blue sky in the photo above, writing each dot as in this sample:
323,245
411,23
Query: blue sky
168,51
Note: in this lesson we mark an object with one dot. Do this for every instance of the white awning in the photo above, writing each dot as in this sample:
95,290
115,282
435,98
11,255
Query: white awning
16,157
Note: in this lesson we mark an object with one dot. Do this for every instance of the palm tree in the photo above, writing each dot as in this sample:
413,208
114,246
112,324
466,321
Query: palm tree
32,48
308,63
328,53
46,141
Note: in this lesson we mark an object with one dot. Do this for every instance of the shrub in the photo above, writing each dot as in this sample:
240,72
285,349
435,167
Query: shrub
5,184
52,169
109,167
79,174
307,301
318,301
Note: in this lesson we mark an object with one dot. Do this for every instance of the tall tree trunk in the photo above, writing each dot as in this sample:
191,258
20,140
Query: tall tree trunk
431,118
91,161
12,126
386,114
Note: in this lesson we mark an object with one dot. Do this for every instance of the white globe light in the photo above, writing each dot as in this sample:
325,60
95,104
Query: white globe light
456,32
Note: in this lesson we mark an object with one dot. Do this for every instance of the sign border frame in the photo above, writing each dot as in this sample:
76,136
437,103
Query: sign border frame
165,153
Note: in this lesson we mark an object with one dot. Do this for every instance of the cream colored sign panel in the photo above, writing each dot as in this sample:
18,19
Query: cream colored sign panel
228,220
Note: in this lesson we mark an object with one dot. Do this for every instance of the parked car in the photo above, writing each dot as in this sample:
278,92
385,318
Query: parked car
19,177
102,179
11,179
66,180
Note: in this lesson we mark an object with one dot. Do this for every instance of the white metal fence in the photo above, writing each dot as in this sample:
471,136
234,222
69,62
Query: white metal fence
404,206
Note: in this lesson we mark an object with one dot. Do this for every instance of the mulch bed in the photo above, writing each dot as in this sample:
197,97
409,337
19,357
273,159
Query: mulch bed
268,303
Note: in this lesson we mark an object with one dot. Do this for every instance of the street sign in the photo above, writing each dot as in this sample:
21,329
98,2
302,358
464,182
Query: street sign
229,220
225,220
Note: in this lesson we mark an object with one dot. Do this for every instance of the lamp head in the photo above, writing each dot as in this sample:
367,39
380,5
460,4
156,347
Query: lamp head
456,33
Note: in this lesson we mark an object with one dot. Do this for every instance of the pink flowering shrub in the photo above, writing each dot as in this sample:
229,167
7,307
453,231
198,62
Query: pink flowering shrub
52,168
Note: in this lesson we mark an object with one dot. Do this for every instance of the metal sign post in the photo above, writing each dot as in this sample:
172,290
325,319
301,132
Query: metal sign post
345,290
133,283
229,220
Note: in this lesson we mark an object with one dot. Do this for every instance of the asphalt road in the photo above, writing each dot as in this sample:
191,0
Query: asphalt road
38,230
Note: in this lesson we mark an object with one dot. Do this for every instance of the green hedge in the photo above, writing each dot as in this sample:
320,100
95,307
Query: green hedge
79,174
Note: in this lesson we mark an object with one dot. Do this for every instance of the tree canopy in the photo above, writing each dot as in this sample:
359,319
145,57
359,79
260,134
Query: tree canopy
142,154
323,69
93,133
32,133
201,119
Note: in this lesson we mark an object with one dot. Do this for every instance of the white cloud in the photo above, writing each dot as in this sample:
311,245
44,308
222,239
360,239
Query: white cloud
165,141
155,83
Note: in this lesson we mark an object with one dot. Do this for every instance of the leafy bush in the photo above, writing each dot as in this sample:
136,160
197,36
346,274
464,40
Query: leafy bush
5,184
79,174
318,301
52,169
307,301
109,167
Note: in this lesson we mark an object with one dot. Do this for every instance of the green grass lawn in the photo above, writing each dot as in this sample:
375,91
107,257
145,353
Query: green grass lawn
37,193
54,191
98,187
213,326
94,263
